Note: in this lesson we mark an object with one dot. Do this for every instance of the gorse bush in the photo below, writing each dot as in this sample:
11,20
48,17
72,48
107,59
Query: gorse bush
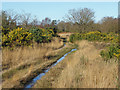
22,37
42,35
5,31
94,36
72,38
17,37
112,51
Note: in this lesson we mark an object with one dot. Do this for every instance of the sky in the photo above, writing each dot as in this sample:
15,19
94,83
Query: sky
57,10
60,0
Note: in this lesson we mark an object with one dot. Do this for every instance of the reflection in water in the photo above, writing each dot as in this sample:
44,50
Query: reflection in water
30,84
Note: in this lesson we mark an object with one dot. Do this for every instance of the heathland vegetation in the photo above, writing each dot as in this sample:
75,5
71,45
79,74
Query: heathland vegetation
30,46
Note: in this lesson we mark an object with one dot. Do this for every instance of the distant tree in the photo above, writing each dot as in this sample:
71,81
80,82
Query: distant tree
5,22
35,22
61,26
25,19
46,22
54,26
96,27
68,26
82,17
9,21
54,22
109,24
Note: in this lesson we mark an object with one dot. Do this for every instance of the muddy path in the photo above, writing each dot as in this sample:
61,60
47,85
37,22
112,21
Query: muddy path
38,77
31,83
84,68
21,75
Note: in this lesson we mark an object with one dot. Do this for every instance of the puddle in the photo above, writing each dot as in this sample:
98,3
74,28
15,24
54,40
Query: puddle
31,84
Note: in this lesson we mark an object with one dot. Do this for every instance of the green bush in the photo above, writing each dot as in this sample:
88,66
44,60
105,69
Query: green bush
94,36
5,31
111,52
21,37
17,37
42,35
72,38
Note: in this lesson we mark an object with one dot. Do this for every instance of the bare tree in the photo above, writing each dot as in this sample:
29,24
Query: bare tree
35,21
25,19
109,24
46,21
9,20
82,17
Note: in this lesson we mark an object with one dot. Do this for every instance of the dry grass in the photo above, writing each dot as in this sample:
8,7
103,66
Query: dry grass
86,69
55,44
21,62
23,55
82,69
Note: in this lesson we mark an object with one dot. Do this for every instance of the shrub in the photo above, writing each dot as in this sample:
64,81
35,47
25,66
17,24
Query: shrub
17,37
72,38
94,36
21,37
112,51
5,31
42,35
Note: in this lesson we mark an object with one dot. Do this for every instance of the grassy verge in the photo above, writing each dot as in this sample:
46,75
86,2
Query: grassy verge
84,68
19,76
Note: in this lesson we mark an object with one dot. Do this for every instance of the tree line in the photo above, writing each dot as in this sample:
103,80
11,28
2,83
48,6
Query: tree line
77,20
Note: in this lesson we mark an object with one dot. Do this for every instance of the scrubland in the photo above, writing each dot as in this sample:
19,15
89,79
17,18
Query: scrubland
21,64
29,46
84,68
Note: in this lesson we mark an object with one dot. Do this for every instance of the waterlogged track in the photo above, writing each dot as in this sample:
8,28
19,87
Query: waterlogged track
31,83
